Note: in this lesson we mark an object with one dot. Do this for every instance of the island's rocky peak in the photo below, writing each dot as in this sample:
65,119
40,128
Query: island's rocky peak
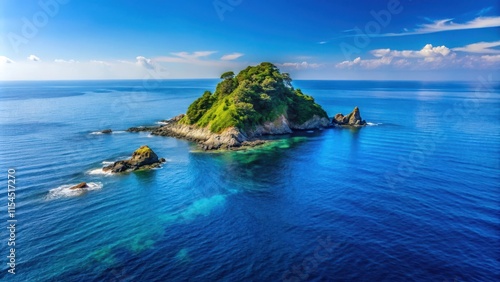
352,119
142,158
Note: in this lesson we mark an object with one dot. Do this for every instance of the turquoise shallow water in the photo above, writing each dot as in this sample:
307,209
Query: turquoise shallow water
413,197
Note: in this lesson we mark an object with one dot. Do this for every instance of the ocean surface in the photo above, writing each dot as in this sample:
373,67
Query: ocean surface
415,196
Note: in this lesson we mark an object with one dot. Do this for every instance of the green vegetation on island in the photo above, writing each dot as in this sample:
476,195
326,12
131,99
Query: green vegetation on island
258,94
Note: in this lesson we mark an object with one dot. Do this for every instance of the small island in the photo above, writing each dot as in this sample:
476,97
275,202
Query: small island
81,185
142,158
352,119
259,101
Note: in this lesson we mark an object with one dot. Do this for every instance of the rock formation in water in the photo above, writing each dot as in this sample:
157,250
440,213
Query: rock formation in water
258,101
142,158
142,128
352,119
106,131
80,186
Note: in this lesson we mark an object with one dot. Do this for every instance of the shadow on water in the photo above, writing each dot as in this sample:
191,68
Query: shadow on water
145,176
355,133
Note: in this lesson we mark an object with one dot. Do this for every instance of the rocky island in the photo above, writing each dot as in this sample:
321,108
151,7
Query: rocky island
352,119
81,185
259,101
142,158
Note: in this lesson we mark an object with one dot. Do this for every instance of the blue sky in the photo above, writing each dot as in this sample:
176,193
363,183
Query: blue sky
345,39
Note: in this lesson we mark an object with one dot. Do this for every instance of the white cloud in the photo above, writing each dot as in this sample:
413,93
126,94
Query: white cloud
230,57
302,65
65,61
448,25
401,63
480,47
426,58
186,57
202,59
71,69
194,55
98,62
348,64
5,60
491,58
145,62
385,57
427,51
33,58
380,52
366,64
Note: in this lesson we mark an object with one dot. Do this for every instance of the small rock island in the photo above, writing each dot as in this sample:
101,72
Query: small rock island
81,185
142,158
259,101
352,119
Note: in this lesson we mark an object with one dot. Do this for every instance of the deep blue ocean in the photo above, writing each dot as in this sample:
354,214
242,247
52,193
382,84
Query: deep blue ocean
415,196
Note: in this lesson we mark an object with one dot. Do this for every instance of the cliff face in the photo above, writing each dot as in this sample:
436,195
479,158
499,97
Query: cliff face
315,122
231,137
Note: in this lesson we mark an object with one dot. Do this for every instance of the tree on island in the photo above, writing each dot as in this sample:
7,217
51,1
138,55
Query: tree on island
227,75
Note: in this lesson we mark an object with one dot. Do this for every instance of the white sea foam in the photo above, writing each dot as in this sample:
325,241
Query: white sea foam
373,124
98,171
64,191
113,132
162,122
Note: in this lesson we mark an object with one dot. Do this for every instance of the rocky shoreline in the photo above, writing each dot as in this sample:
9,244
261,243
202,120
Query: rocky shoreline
233,138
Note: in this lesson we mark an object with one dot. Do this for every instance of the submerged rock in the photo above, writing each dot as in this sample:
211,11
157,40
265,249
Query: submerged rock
142,158
106,131
80,186
352,119
142,129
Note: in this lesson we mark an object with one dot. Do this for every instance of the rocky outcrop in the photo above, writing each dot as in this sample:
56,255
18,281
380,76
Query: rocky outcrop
352,119
80,186
232,137
107,131
229,138
142,129
280,125
316,122
283,126
142,158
